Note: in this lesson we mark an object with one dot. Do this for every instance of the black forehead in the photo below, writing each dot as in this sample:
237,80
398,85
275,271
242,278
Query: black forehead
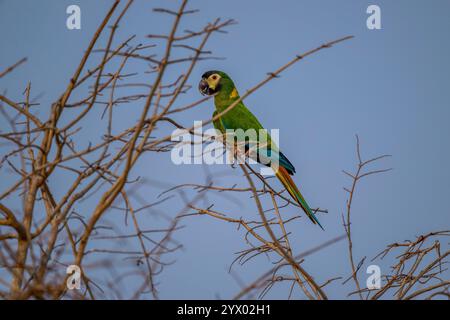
209,73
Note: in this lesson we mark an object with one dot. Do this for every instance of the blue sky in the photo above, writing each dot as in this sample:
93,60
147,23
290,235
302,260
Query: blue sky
389,86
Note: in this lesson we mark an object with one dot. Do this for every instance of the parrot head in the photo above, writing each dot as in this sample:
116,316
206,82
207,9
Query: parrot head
214,81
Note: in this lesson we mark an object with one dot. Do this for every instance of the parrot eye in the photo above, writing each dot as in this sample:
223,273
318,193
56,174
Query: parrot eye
214,77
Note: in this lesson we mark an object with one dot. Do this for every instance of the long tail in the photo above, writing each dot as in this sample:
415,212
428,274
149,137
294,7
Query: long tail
290,186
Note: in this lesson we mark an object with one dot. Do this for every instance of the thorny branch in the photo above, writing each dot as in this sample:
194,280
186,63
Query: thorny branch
54,228
46,225
356,177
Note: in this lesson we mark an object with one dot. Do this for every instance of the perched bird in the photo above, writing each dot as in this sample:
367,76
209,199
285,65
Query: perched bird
220,85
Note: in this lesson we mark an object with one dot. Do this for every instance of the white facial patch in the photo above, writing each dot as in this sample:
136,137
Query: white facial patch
213,80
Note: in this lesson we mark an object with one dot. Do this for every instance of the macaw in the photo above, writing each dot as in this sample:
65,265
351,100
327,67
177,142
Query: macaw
219,84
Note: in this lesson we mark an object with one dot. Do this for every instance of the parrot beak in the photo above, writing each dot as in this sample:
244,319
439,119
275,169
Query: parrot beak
203,87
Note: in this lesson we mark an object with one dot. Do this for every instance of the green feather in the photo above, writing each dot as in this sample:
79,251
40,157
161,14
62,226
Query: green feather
239,117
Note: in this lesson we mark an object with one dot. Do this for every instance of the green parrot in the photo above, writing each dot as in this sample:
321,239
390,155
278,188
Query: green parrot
220,85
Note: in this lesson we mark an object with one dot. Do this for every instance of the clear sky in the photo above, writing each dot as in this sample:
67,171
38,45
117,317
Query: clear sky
389,86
